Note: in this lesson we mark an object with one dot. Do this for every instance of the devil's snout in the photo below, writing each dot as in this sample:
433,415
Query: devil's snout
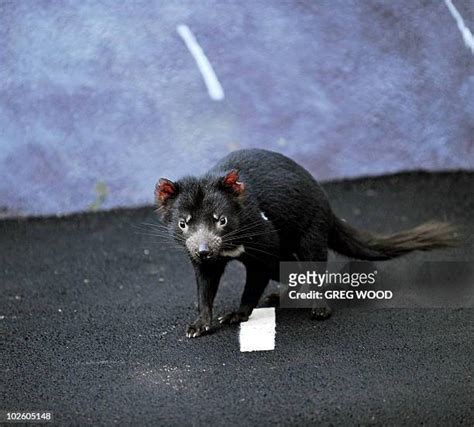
203,250
203,245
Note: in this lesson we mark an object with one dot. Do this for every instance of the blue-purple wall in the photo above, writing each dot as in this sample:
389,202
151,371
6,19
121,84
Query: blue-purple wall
99,99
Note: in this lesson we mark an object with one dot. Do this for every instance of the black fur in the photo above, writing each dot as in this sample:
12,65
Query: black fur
297,224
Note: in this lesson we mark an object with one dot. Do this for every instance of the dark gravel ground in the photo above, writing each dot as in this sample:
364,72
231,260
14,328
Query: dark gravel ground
93,316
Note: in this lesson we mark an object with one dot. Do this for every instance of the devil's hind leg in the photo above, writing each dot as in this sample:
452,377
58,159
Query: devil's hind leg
314,248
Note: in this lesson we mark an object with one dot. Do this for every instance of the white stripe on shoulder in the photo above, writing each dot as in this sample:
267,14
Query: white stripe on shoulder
234,253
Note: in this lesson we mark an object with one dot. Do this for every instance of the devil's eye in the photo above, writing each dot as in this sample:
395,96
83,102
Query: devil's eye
182,224
222,221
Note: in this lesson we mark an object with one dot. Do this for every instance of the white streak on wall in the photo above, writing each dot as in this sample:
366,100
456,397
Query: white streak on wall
258,333
466,33
214,88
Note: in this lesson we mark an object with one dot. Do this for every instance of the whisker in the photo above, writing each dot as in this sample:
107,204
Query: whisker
251,248
248,227
262,251
164,233
155,238
253,234
167,244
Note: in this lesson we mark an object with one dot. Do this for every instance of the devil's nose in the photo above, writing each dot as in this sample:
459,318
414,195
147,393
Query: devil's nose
203,250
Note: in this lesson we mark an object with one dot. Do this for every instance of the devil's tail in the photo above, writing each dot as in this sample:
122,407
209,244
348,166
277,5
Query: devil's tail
368,246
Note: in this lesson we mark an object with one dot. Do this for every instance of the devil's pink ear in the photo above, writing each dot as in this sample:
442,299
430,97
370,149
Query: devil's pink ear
164,190
231,182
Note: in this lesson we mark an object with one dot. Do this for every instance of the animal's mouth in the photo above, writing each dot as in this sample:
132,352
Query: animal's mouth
204,258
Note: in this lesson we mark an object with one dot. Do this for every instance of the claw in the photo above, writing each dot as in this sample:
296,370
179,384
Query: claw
234,317
197,329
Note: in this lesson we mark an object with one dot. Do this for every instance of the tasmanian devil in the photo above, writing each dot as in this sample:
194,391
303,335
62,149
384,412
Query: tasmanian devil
260,207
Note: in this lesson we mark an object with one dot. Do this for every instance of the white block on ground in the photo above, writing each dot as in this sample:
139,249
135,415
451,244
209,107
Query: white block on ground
258,333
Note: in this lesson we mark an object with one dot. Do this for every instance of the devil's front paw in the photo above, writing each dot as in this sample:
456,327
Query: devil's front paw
234,317
198,328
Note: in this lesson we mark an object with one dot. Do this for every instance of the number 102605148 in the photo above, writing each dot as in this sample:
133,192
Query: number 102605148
26,416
